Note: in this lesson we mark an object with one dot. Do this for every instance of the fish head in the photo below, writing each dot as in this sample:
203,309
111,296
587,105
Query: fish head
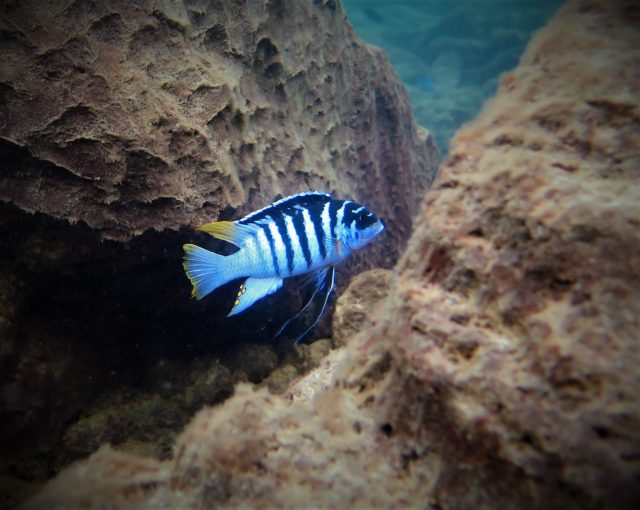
361,227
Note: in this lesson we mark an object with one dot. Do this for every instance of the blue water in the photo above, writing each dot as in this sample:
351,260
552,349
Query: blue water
449,54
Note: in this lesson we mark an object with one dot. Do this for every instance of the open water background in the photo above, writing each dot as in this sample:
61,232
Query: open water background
449,54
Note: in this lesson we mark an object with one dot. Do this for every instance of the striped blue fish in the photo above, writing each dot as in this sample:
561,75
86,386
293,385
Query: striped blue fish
308,233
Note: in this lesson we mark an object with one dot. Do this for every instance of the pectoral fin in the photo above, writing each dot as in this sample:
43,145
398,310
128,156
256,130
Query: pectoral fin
322,282
252,290
327,286
317,281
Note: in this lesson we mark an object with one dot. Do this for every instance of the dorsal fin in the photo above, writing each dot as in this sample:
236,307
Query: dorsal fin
230,231
306,199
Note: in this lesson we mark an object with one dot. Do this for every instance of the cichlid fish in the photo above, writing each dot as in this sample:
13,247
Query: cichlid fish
308,233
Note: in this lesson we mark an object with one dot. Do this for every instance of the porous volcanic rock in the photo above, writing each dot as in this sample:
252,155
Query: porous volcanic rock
132,116
123,125
504,372
356,306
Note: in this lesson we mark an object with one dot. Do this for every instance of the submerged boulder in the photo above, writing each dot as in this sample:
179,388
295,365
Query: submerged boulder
125,125
503,369
158,115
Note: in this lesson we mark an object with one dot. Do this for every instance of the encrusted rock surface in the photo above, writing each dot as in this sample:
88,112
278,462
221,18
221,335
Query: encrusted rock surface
517,312
356,306
123,125
505,370
155,115
298,361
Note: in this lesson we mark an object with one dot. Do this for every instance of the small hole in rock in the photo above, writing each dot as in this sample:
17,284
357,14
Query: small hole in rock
387,429
527,438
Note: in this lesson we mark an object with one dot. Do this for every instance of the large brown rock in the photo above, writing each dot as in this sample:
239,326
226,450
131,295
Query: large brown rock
123,125
504,372
152,115
518,305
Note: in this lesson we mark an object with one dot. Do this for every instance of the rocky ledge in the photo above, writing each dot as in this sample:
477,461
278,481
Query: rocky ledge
123,126
503,369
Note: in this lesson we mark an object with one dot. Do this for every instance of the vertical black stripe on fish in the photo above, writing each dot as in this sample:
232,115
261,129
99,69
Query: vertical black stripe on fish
349,210
298,223
333,216
278,219
316,219
272,248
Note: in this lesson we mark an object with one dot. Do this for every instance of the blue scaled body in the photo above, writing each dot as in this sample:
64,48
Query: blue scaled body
308,233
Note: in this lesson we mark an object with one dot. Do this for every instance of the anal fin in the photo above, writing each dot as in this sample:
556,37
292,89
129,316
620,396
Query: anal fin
252,290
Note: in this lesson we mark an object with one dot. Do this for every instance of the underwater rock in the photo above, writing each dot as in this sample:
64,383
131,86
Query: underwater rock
209,387
153,421
320,379
125,124
298,361
503,371
129,479
511,335
254,361
356,306
162,115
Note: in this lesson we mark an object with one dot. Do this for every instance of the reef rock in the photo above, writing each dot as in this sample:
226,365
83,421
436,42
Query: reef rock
123,125
356,306
504,371
132,116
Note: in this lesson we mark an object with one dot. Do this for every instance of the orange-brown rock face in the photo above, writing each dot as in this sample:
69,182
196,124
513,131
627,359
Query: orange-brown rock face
517,313
505,370
153,115
123,125
356,306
